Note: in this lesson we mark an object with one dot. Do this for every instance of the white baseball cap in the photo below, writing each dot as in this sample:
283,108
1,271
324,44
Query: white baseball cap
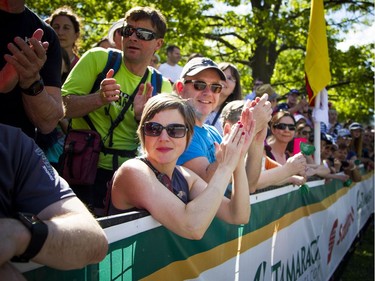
118,24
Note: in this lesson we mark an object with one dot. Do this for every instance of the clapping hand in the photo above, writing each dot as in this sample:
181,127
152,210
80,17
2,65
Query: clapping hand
28,57
262,111
141,99
249,124
227,153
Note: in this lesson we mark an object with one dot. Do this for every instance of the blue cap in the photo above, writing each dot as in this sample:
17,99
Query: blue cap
294,91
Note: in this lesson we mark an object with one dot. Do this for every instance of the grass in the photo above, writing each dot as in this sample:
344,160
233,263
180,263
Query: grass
360,262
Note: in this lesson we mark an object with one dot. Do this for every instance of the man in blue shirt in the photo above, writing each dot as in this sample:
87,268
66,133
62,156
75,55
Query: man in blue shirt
200,82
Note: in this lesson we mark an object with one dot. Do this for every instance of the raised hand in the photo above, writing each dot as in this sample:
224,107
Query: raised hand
249,125
28,57
109,89
230,150
141,99
262,111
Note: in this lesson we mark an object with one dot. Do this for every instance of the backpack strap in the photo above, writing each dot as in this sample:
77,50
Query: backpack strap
156,81
113,62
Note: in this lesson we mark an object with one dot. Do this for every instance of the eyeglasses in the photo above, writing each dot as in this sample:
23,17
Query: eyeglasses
201,85
141,33
153,129
283,126
305,133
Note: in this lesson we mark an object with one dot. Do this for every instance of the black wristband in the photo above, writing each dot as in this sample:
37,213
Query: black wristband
35,89
39,233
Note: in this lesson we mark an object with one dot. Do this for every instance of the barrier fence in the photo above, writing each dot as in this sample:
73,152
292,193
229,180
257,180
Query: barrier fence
293,234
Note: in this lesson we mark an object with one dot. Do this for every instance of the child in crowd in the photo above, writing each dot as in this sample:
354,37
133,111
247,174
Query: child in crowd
343,164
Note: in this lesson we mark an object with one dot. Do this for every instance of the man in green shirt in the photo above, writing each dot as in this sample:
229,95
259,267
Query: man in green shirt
143,34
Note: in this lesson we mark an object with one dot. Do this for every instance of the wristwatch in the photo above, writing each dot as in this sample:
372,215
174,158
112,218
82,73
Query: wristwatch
39,233
35,89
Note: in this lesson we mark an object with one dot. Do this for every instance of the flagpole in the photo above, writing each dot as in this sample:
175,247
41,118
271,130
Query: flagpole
317,69
317,131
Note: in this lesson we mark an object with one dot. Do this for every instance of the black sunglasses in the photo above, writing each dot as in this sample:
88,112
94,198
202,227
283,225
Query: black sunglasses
153,129
283,126
305,133
141,33
201,85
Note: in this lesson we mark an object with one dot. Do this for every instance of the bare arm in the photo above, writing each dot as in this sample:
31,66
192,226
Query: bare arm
278,176
81,105
74,239
78,106
254,160
293,171
46,109
319,170
74,234
261,111
136,186
202,167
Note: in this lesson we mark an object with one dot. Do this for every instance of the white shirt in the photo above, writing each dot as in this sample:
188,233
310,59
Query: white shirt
171,72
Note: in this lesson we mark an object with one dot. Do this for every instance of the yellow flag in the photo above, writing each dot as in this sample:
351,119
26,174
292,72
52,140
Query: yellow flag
317,60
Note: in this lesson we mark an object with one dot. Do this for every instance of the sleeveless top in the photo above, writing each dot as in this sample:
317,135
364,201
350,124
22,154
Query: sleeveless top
269,153
178,185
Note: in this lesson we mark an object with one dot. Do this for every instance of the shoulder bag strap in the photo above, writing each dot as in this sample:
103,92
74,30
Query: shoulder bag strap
113,62
163,178
120,117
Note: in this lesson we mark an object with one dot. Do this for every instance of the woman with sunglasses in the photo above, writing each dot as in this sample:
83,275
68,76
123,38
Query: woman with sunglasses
303,130
282,126
174,195
231,91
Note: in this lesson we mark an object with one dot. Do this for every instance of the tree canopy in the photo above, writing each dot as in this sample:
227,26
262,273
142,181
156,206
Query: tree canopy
264,39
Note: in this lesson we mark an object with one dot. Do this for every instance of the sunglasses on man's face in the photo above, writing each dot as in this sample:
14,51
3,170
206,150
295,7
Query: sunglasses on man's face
141,33
201,85
153,129
283,126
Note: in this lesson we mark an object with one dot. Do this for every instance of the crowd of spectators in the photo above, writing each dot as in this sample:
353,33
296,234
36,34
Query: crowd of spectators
210,140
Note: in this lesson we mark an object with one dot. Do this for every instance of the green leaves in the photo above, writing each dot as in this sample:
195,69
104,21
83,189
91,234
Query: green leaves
265,39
